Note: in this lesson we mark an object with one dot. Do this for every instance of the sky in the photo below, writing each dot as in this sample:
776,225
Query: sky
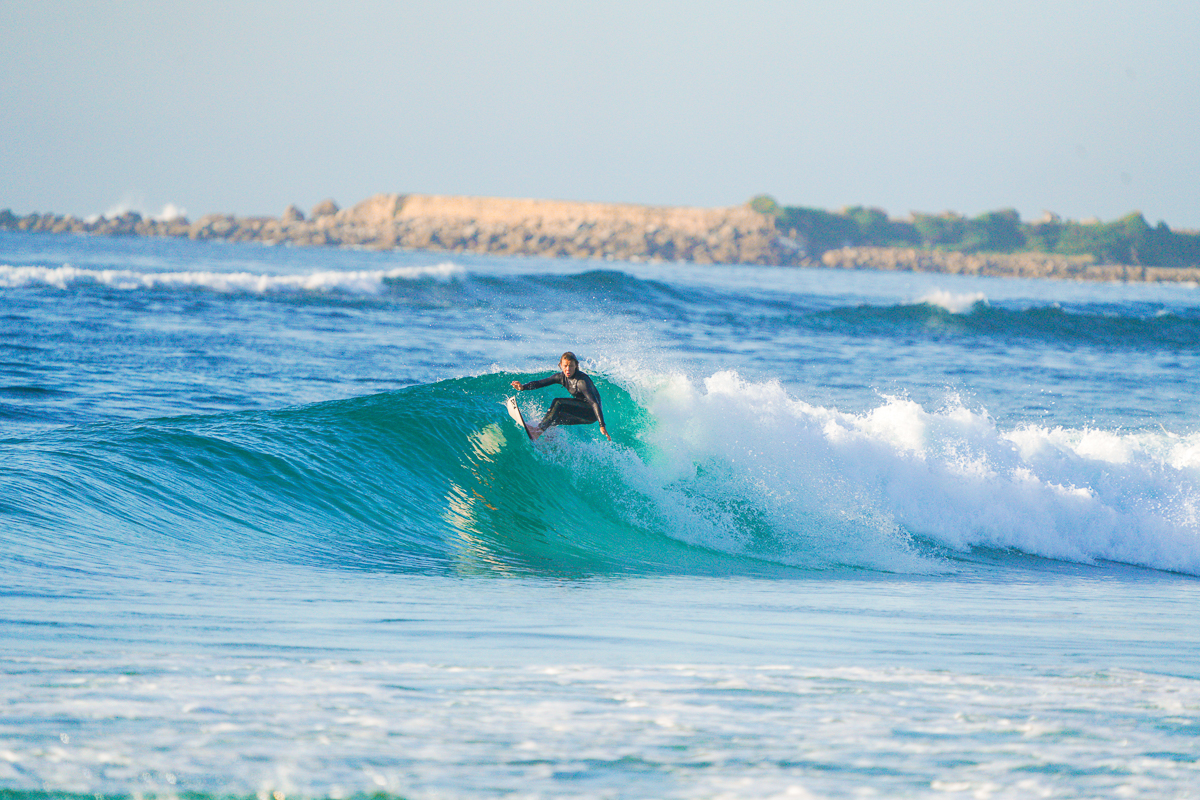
1086,109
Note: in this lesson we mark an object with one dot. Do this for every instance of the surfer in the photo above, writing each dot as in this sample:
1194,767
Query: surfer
581,408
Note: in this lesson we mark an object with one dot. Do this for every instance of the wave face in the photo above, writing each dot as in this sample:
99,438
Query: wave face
723,477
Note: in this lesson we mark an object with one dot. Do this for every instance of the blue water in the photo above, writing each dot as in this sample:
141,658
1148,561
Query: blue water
266,529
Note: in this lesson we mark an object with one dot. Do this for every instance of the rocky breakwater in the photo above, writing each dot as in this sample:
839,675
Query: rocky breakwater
733,235
1004,265
128,224
477,224
562,229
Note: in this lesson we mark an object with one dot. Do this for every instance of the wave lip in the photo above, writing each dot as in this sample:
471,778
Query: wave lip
353,282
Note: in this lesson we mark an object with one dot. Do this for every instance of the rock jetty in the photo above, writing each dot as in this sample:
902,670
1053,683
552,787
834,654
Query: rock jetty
476,224
731,235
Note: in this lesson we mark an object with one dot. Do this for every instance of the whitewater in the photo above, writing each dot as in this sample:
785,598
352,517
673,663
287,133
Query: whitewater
266,529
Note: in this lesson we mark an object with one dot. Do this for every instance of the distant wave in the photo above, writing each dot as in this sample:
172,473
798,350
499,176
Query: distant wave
359,282
725,477
936,314
953,317
954,303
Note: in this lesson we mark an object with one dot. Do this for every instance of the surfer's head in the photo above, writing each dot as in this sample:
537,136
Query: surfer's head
569,364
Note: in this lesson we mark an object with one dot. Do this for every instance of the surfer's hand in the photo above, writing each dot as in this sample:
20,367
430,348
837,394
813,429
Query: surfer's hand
517,385
605,432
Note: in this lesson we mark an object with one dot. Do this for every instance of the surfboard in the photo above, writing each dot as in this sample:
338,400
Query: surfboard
514,411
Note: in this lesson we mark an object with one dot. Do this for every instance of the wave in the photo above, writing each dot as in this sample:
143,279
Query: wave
352,281
1106,327
725,477
938,314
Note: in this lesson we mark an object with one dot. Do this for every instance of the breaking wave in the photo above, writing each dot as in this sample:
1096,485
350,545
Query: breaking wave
720,477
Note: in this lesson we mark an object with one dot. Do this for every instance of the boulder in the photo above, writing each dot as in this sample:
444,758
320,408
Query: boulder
293,214
325,208
214,226
125,225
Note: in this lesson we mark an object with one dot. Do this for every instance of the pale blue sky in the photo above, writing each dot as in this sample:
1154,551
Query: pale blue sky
1083,108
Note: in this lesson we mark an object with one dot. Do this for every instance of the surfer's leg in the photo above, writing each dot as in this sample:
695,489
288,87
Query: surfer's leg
567,411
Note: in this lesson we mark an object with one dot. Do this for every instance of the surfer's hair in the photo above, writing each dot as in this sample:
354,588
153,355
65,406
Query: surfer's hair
569,356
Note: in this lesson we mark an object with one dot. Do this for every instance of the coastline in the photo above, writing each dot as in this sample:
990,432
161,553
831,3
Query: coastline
564,229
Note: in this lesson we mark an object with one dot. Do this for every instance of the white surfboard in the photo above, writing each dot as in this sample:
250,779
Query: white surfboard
514,411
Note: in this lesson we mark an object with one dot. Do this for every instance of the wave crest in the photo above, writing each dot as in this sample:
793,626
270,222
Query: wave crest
353,282
955,303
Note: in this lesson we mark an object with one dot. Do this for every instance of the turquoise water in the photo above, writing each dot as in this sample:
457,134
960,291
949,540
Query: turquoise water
267,530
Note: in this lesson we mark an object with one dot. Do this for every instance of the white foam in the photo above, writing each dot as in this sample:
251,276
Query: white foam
357,282
170,212
955,303
851,488
226,726
130,201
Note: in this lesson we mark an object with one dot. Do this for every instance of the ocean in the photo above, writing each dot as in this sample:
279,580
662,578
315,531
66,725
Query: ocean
267,531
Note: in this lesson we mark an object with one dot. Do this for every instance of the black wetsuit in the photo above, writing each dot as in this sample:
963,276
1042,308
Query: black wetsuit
581,408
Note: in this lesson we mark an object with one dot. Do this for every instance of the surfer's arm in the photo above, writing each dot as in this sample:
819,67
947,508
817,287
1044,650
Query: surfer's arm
538,384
